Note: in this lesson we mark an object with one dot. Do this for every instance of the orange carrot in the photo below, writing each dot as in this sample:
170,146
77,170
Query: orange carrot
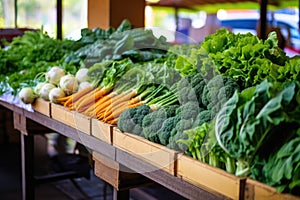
103,101
107,105
119,100
74,97
134,100
83,98
91,99
121,109
114,121
112,109
123,97
63,99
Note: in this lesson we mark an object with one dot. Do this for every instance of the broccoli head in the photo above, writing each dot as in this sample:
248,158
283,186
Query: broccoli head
178,146
218,89
195,94
131,119
166,111
203,116
190,110
150,132
165,132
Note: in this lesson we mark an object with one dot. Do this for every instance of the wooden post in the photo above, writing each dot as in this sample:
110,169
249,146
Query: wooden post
27,162
106,13
262,33
59,11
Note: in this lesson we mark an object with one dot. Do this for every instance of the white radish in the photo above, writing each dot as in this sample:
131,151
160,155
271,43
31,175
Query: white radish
56,93
38,87
83,85
26,95
45,90
68,84
82,75
54,75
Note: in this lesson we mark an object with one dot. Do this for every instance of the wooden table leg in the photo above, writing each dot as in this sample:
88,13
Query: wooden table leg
120,194
27,160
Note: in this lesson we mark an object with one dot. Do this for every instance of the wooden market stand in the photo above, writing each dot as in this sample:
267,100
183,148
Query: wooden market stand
126,161
104,153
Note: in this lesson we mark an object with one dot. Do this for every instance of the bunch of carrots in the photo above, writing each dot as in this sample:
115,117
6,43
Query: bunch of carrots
120,88
107,105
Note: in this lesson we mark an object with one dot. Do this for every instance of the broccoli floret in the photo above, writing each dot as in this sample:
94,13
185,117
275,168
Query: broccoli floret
190,110
173,144
133,117
219,88
137,129
166,111
170,110
196,92
184,124
203,116
125,123
227,91
166,129
147,121
183,94
183,82
140,113
150,132
217,82
196,80
216,108
210,95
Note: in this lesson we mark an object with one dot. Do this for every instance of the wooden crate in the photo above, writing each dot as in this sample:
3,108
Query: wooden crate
157,155
71,118
117,175
102,131
260,191
210,178
42,106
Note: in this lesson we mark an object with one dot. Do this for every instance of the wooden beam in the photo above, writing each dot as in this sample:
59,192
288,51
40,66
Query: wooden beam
262,32
110,13
59,19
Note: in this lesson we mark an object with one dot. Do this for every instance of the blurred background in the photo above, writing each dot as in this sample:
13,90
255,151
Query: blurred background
192,18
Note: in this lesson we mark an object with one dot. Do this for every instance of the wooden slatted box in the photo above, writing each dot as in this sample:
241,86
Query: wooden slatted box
156,154
210,178
71,118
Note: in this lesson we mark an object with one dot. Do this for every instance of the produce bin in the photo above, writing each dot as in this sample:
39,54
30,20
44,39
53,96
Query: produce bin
210,178
260,191
101,130
71,118
42,106
155,154
116,174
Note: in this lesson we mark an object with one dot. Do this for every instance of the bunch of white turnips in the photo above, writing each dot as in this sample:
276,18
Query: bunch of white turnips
58,84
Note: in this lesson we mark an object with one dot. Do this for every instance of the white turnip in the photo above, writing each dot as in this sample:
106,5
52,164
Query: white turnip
82,75
54,75
56,93
26,95
83,85
68,84
45,90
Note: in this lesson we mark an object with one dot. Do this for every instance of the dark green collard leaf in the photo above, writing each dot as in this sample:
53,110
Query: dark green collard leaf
244,126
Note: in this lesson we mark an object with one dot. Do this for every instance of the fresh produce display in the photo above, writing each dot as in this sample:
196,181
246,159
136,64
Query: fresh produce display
224,102
237,122
28,56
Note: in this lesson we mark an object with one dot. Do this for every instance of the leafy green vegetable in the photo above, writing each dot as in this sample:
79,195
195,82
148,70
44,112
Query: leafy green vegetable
246,123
